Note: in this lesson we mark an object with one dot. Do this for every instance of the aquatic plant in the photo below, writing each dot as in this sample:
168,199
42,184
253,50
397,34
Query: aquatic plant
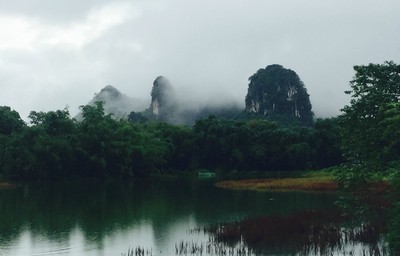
212,247
138,251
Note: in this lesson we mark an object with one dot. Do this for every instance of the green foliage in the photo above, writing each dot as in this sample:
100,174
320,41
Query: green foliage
53,122
56,146
370,140
261,145
137,117
326,143
369,134
17,158
10,121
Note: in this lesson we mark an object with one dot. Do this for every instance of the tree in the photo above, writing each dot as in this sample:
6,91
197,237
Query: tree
371,141
391,132
326,143
17,158
96,133
55,147
366,137
53,122
10,121
178,145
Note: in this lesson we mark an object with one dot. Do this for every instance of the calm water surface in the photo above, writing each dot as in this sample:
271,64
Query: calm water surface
108,218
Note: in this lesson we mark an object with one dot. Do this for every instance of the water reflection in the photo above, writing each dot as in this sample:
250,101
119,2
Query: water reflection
106,218
313,232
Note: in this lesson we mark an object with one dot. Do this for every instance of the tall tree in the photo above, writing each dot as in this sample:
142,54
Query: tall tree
366,139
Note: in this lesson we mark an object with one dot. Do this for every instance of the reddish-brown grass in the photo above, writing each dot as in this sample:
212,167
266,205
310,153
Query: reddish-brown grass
296,184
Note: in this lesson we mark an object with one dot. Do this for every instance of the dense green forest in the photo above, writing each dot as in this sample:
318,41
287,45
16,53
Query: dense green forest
54,145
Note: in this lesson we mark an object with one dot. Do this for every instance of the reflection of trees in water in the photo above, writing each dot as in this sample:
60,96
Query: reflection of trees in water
56,209
378,201
306,233
393,236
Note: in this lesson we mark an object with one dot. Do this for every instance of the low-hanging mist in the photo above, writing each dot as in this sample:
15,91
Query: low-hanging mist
174,106
273,93
167,103
116,103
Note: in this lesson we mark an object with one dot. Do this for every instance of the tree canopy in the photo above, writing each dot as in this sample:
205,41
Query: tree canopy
370,136
56,146
10,121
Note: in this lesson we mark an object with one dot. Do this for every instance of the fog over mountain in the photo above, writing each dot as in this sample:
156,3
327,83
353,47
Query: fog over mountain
172,106
166,104
274,92
59,53
116,103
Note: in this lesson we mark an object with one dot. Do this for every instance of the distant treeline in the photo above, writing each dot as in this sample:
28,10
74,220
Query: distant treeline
55,146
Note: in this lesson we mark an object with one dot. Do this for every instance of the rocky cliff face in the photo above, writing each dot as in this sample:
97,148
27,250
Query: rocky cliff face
163,101
278,91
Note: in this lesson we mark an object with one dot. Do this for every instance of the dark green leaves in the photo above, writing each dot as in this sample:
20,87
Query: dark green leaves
10,121
368,123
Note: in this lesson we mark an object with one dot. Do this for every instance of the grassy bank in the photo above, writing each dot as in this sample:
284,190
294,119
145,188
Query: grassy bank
307,181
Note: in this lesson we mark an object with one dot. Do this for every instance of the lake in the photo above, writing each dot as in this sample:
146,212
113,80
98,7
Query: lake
159,215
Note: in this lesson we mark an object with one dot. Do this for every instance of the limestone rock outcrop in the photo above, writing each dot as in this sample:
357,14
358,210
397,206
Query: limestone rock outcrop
277,91
163,100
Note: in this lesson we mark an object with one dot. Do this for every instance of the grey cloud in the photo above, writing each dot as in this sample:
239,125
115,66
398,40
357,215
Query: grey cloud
50,10
207,49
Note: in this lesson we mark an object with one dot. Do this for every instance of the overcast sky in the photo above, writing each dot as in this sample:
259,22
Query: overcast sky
55,54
